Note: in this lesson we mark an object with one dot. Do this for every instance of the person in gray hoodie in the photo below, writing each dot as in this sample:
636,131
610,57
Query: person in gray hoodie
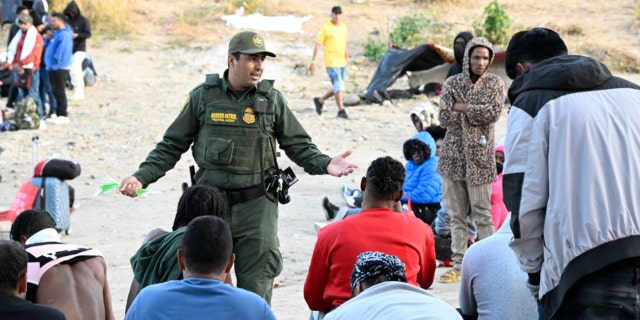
571,181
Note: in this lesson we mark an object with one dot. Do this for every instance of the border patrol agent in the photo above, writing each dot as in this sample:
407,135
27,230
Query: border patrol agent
231,124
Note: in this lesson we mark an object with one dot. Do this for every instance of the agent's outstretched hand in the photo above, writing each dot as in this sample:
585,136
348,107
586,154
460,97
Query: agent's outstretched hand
130,186
339,166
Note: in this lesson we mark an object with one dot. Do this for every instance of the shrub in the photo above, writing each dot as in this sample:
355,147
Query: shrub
109,18
494,24
408,32
375,49
250,6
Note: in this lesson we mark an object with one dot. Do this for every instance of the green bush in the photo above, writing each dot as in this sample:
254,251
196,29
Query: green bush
375,49
250,6
408,32
494,24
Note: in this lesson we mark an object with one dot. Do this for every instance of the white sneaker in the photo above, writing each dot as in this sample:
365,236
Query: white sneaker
51,118
77,97
43,125
59,120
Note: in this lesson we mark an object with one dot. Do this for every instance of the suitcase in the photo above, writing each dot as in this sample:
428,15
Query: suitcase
53,196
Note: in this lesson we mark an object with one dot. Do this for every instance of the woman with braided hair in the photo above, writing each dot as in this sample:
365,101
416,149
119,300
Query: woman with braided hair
156,261
376,228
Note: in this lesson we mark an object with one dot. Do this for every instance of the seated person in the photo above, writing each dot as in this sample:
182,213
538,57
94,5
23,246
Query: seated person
423,184
492,285
156,261
89,73
380,291
6,80
498,210
376,228
13,287
441,227
55,267
205,259
437,133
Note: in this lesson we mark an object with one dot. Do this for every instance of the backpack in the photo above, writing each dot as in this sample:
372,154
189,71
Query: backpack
27,116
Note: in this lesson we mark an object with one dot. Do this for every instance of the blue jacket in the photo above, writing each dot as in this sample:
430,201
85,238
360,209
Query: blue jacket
58,52
422,184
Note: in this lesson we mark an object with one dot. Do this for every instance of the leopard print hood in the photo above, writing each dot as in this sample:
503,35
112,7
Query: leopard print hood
467,151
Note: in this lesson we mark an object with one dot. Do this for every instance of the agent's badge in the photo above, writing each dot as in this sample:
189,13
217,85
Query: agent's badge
185,103
249,117
257,41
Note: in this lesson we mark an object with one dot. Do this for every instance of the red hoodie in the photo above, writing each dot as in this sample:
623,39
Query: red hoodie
498,210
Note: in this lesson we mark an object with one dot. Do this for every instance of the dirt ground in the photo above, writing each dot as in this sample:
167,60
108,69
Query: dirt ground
144,79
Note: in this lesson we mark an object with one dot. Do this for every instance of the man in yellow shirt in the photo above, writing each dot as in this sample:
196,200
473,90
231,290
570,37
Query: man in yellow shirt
333,36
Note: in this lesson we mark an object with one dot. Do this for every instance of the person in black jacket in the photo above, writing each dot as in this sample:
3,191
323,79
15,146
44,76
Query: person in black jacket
81,32
6,80
459,44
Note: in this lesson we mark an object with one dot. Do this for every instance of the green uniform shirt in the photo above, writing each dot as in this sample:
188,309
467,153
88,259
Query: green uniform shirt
230,146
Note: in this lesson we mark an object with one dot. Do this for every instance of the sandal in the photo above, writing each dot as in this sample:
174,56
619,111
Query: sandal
450,276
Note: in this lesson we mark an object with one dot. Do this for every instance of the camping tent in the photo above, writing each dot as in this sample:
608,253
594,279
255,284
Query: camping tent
425,64
397,62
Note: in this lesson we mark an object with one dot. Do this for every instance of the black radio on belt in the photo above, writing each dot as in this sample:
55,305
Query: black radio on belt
280,184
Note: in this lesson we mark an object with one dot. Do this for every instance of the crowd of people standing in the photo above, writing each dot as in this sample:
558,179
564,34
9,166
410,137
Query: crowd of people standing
571,227
45,55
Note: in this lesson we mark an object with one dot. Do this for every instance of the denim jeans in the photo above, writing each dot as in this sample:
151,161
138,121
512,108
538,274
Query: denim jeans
33,92
46,93
610,293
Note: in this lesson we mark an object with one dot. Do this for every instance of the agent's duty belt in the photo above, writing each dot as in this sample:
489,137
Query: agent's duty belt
243,195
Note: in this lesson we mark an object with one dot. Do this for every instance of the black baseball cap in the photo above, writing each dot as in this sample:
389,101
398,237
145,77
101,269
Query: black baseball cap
336,10
248,42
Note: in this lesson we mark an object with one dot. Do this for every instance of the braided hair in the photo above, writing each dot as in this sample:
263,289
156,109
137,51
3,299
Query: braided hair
385,177
29,222
200,200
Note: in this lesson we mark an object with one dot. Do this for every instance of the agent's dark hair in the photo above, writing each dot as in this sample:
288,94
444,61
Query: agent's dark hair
385,177
437,132
29,222
207,244
534,46
236,55
13,259
200,200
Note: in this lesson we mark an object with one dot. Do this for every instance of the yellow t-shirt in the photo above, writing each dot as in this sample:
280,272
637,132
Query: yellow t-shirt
334,40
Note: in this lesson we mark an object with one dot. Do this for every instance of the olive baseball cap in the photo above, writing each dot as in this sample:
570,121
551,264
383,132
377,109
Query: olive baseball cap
248,42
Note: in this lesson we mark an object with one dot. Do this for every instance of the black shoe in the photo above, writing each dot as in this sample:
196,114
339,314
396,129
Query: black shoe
316,101
330,209
343,114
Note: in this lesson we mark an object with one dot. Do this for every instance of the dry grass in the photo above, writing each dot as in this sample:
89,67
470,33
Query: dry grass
196,22
109,18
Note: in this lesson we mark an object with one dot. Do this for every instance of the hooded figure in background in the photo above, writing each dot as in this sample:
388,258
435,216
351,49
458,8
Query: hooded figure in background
470,106
423,184
81,32
459,44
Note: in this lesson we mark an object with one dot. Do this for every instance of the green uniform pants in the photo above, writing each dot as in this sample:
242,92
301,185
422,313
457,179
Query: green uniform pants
254,226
